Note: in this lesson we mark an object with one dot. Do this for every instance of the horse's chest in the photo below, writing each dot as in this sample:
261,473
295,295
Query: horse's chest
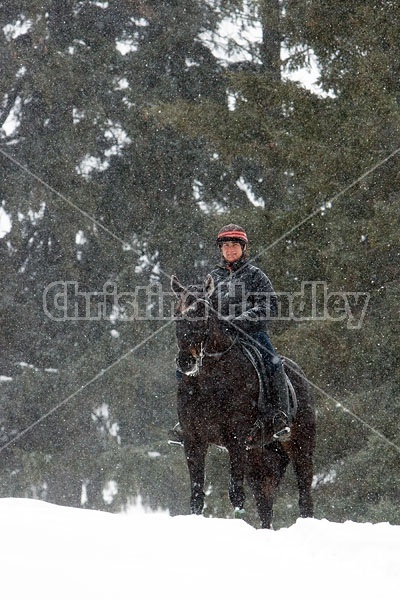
230,374
228,386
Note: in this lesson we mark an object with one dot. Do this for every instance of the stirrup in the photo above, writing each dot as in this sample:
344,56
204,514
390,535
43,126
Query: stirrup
283,435
281,427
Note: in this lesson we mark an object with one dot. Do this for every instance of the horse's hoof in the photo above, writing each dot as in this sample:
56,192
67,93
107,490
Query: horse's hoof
175,435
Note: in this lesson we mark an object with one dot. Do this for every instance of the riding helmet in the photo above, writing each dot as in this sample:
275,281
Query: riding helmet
232,233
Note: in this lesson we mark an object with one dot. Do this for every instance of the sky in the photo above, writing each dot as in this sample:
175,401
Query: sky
5,222
50,552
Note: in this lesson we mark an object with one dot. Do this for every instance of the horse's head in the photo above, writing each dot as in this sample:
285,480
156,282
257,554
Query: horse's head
192,316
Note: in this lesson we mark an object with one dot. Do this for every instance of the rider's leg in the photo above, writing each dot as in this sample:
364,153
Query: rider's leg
282,417
279,396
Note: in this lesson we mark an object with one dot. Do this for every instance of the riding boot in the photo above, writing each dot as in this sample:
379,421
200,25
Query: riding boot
275,419
280,395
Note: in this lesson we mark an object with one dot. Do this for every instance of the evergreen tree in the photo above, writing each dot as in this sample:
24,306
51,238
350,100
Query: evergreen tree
96,192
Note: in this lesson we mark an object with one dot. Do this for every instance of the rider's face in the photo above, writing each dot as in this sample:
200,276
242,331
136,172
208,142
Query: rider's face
231,251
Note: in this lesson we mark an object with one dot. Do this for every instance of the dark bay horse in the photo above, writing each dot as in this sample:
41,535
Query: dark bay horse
217,404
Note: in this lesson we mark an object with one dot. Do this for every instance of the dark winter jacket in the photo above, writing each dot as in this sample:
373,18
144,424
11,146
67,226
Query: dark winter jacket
244,294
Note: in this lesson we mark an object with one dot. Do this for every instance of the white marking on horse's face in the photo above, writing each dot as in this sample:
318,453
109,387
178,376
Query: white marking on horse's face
191,308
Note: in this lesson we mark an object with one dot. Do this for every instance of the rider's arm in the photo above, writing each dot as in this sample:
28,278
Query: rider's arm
261,303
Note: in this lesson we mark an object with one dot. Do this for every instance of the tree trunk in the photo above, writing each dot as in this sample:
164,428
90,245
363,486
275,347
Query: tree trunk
271,38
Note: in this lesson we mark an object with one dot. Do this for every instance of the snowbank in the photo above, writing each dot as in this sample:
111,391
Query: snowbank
57,553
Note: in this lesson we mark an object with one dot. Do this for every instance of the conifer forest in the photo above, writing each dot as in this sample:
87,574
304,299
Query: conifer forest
131,131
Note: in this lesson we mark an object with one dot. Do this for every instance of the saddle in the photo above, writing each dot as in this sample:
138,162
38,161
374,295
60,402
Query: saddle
253,354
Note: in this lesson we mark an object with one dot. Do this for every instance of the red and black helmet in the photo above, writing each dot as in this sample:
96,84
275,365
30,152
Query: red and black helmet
232,233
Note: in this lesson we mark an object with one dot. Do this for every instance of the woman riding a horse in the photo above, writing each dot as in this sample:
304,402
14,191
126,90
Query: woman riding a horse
246,299
232,388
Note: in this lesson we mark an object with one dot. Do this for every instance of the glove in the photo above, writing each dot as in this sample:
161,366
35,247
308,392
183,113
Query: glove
228,328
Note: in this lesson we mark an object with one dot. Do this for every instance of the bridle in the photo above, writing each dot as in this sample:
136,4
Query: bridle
218,355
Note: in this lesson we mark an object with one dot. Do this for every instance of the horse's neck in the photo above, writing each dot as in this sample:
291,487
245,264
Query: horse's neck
218,340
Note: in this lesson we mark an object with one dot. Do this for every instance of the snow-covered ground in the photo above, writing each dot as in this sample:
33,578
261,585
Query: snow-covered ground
50,552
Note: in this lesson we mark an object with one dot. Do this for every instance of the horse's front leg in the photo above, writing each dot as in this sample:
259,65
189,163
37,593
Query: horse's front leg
195,457
236,485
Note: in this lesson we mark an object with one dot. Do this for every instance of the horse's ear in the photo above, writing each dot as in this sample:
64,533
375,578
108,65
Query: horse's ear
209,285
176,286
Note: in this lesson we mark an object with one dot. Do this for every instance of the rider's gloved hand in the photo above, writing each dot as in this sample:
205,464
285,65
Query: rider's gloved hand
243,324
228,326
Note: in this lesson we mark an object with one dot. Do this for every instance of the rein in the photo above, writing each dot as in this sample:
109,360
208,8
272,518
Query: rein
218,355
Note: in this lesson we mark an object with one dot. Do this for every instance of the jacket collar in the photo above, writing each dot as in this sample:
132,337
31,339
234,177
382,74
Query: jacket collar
235,266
